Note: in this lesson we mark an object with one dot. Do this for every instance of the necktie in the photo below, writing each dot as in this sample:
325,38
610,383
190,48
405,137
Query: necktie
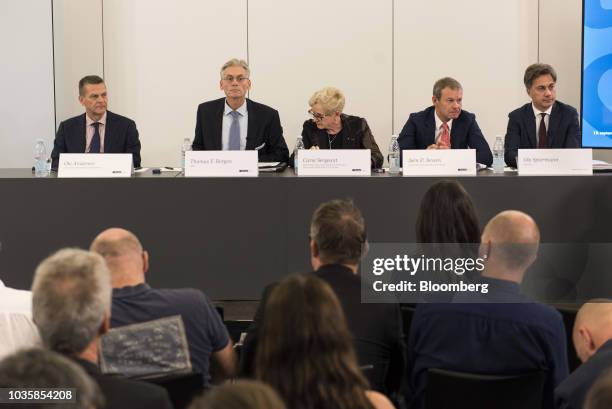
444,135
542,135
94,145
234,133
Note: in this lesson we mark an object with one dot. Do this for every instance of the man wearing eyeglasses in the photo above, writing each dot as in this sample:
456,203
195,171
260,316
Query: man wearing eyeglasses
237,123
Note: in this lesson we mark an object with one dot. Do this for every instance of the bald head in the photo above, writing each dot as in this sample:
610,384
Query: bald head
115,241
592,327
123,254
511,239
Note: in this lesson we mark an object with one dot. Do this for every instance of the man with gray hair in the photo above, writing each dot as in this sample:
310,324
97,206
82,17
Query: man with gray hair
134,301
544,122
445,125
502,332
71,305
40,368
237,123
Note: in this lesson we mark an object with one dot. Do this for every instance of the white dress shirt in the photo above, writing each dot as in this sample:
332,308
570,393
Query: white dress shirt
16,327
227,123
438,130
538,119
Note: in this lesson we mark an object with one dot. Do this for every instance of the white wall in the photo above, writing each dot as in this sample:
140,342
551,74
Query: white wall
484,44
318,43
26,80
561,45
162,58
77,31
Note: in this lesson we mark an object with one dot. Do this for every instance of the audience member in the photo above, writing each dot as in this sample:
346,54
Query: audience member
238,123
71,305
305,350
600,395
592,337
513,337
135,301
16,327
447,226
447,215
240,395
40,368
337,243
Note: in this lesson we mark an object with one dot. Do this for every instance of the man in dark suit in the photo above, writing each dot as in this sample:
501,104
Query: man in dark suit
338,241
592,337
71,304
526,129
97,130
237,123
445,125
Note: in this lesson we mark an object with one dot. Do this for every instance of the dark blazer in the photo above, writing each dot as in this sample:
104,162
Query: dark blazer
120,136
376,328
420,129
357,135
122,393
570,393
563,130
264,129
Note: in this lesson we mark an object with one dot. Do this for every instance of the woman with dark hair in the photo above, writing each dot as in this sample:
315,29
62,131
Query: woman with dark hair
305,350
447,215
447,227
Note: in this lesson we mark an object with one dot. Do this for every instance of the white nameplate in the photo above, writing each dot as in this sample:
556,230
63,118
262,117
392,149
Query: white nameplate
334,162
95,165
439,162
532,162
221,163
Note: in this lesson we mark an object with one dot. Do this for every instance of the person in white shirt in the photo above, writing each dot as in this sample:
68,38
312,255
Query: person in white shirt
16,327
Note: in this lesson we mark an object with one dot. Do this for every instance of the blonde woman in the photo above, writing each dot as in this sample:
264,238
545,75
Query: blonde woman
329,128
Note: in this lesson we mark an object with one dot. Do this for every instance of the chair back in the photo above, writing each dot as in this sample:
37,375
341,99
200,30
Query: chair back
458,390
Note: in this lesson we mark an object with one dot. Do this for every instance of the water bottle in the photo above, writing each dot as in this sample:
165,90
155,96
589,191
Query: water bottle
299,144
498,155
186,147
394,155
41,169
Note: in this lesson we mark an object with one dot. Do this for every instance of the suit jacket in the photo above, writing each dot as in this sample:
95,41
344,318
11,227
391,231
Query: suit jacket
122,393
264,128
357,136
419,133
563,130
376,328
570,393
120,136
